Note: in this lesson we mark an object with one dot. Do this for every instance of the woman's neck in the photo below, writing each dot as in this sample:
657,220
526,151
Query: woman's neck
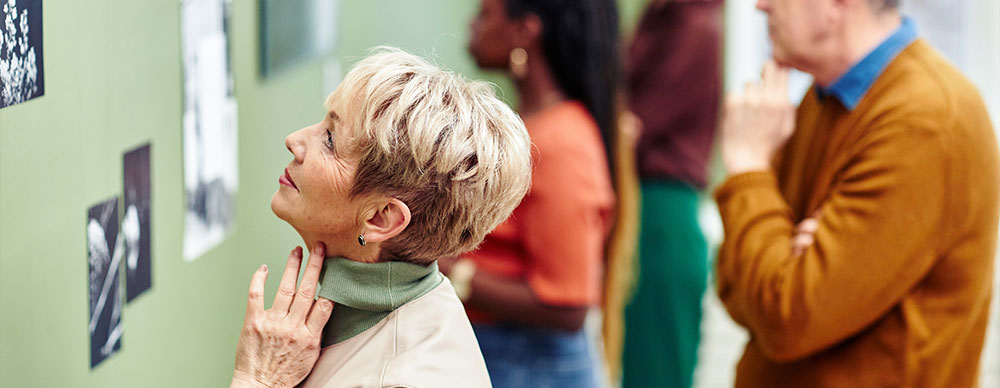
538,89
340,246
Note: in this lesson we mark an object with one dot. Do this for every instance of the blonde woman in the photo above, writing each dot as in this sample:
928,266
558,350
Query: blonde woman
409,163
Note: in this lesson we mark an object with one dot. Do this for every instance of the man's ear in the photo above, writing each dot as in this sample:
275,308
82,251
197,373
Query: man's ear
388,220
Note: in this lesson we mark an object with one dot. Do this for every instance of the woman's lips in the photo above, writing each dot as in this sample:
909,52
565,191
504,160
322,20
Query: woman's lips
287,180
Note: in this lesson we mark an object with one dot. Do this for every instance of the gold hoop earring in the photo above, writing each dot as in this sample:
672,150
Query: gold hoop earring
519,63
361,240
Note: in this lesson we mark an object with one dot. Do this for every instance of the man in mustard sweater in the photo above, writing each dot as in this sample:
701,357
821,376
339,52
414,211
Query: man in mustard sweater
861,228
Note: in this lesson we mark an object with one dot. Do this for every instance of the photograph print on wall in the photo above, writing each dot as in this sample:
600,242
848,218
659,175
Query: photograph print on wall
135,227
295,31
210,148
104,256
22,74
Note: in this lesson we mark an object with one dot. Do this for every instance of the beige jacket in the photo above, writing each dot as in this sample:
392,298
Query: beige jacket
427,342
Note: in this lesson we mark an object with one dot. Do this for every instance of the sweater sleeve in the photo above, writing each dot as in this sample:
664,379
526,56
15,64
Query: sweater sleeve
876,240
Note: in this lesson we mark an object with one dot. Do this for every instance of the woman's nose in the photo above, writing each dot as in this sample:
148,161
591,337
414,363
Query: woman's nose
294,144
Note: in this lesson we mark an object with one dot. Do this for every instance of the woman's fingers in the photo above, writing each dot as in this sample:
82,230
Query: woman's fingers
290,331
319,315
307,289
255,298
286,289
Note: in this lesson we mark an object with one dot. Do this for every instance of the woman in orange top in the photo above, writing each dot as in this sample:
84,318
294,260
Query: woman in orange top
531,283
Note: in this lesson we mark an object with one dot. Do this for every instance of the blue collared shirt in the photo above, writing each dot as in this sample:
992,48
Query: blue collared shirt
852,86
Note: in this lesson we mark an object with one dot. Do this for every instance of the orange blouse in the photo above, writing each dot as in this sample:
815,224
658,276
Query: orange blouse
555,238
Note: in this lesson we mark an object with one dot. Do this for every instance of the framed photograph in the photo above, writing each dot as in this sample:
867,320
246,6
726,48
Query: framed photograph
294,31
22,70
210,141
135,225
104,255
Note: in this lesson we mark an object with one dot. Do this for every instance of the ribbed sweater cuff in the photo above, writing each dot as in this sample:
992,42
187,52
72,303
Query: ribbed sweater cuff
746,180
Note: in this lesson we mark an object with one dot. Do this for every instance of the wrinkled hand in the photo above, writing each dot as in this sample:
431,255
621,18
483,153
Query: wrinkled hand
757,121
279,347
805,235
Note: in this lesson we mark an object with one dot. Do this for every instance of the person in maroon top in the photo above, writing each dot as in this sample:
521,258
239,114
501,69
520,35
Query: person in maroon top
674,80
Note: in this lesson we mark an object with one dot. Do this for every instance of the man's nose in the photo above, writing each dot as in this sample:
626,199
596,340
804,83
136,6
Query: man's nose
763,5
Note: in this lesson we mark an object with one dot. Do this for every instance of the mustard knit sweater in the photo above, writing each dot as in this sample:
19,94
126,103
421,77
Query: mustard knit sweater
895,291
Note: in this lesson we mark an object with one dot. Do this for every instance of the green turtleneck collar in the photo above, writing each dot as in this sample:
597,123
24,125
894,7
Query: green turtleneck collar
365,293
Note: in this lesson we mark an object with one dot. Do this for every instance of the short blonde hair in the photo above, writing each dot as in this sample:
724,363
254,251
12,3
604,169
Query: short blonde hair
458,156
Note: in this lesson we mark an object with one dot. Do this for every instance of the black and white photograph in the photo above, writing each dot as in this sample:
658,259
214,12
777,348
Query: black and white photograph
22,75
135,225
210,131
295,31
104,254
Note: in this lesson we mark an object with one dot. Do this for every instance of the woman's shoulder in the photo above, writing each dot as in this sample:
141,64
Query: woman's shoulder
567,115
567,127
422,343
435,344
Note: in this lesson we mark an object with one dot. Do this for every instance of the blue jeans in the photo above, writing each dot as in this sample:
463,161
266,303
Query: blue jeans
523,357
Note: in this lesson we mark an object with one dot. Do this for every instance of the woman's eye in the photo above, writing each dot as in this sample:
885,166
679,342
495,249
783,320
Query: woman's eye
329,139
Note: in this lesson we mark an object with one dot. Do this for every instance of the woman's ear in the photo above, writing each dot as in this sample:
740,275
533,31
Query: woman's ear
387,221
527,31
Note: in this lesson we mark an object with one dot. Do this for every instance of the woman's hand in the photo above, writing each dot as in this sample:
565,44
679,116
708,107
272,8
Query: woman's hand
278,347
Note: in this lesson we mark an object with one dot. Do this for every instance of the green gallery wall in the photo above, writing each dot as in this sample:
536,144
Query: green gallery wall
113,81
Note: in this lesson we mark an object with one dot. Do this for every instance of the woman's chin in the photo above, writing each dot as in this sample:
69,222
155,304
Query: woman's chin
278,207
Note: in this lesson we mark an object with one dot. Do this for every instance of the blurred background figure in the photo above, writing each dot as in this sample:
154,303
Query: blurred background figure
860,230
529,287
675,83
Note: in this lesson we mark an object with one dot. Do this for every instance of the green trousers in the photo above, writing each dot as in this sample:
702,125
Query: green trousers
662,321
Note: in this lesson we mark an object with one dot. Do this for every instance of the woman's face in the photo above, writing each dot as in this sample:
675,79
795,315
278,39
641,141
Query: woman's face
314,190
491,35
